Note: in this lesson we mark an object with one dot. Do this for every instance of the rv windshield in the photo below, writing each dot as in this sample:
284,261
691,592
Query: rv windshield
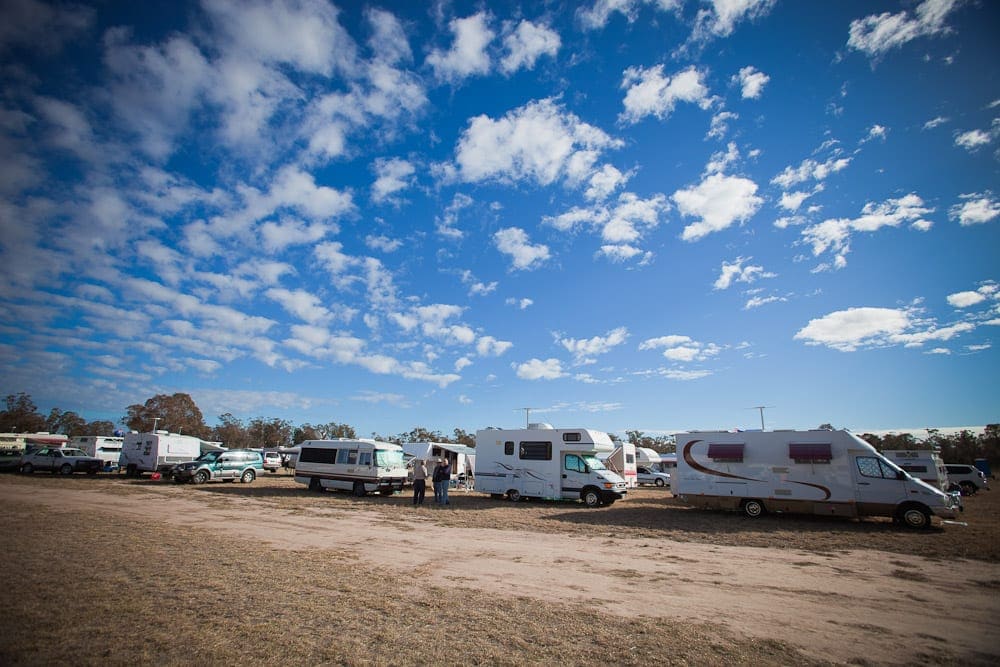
389,458
593,462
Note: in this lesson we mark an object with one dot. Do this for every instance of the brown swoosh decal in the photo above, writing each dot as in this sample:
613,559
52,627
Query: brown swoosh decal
708,471
815,486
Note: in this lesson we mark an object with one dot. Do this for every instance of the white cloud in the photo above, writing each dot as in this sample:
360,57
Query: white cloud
537,369
514,242
596,16
393,175
791,201
973,139
42,27
488,346
603,182
383,243
735,272
935,122
651,93
277,236
719,19
834,235
855,328
978,208
719,201
751,81
878,34
467,55
538,142
521,304
965,299
307,307
758,301
526,43
810,170
584,350
875,132
681,349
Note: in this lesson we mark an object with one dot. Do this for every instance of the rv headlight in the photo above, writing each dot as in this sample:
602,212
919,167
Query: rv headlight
609,485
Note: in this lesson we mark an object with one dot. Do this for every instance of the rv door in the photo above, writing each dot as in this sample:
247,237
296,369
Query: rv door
878,485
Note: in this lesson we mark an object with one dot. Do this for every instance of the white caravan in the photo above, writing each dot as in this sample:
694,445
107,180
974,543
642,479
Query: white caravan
461,458
622,461
545,462
645,456
924,464
357,465
107,449
813,472
160,451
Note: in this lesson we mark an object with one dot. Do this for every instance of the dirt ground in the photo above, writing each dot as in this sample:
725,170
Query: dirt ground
646,579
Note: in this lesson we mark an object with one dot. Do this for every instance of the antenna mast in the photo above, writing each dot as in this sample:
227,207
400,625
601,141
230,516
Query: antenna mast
527,415
761,408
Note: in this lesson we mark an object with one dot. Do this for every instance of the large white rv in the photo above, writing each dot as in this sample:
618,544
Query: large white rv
461,458
814,472
924,464
108,449
357,465
545,462
622,461
160,451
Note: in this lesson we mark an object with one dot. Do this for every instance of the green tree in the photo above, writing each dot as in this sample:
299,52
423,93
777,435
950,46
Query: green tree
463,438
231,432
269,432
21,415
176,413
67,423
99,427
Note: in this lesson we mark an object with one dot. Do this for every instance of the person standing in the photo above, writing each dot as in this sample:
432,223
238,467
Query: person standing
444,473
435,477
419,481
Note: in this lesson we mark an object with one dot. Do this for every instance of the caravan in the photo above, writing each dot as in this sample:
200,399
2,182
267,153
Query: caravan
107,449
160,451
461,458
545,462
924,464
360,466
622,461
813,472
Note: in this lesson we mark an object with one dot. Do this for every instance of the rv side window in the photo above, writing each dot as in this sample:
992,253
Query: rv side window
870,466
365,459
912,468
310,455
571,437
630,458
575,464
348,456
508,448
536,451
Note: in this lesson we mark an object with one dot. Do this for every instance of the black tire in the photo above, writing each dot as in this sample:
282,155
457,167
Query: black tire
591,497
178,480
385,493
359,490
200,477
513,495
315,485
496,496
247,477
915,516
27,469
659,482
753,508
130,470
66,469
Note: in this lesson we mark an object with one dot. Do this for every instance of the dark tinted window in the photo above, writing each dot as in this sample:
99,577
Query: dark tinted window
508,448
536,451
571,437
316,455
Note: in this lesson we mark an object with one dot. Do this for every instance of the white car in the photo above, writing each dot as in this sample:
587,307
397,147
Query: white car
272,461
647,476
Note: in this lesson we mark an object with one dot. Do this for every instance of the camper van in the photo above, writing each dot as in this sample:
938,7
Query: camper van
924,464
622,461
545,462
160,451
461,458
357,465
813,472
107,449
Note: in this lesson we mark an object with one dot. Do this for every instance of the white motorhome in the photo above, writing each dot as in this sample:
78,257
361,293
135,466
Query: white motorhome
545,462
108,449
622,461
461,458
814,472
160,451
924,464
357,465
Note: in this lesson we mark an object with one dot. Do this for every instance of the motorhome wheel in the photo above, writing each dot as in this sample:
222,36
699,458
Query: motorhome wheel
915,516
591,497
513,495
315,484
247,477
359,489
753,508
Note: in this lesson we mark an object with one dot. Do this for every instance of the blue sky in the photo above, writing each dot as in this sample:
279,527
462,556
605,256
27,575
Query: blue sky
624,214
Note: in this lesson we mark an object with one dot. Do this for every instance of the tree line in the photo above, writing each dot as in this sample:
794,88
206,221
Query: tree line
178,413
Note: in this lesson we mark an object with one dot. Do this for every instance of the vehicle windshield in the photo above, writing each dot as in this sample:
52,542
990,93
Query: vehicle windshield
209,456
389,458
593,462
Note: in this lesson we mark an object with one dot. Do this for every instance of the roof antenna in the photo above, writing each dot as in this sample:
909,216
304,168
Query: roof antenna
527,415
761,408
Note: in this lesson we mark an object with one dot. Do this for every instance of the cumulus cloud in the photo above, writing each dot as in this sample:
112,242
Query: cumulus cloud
621,224
735,272
720,17
468,55
751,81
585,349
976,139
834,235
526,43
978,208
877,34
866,327
719,201
651,93
539,142
513,241
538,369
810,170
597,14
679,348
392,176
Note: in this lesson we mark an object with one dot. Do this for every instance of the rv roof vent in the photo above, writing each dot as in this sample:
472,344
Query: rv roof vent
541,426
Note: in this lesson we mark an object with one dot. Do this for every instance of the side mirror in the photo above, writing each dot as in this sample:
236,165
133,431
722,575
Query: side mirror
900,475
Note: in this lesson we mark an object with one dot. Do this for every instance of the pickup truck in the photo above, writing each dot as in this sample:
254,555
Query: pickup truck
63,460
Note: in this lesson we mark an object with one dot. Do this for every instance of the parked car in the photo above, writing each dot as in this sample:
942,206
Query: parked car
646,476
969,479
62,460
226,464
272,461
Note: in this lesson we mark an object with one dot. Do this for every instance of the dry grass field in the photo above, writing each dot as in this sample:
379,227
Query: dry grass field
95,577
